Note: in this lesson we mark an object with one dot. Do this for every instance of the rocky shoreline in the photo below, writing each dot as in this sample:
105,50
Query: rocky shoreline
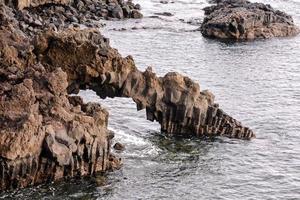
72,14
243,20
47,133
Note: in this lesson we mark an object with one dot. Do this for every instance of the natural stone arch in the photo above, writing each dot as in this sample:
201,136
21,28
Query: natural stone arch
175,101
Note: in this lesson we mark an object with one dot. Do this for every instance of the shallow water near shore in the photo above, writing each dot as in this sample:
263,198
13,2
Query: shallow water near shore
256,82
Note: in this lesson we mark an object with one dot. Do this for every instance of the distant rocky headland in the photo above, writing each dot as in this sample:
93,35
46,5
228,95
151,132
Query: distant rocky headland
49,51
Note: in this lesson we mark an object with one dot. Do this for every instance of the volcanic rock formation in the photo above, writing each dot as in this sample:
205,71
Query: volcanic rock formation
242,20
37,15
47,133
175,101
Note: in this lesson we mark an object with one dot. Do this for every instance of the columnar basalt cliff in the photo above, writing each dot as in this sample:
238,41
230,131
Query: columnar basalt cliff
175,101
242,20
47,133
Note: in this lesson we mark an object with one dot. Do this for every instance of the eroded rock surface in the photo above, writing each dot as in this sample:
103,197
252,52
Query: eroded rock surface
21,4
242,20
43,15
47,133
175,101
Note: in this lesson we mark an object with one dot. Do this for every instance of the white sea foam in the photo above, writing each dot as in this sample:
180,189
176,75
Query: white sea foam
136,146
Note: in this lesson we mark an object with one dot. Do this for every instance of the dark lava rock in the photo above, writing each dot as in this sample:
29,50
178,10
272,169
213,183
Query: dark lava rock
120,147
243,20
37,15
167,14
138,7
126,11
228,1
164,2
117,12
136,14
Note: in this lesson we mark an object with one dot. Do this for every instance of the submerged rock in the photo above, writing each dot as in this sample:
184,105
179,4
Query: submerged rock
120,147
242,20
167,14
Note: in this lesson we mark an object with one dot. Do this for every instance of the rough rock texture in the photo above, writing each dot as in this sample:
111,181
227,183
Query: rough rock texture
175,101
21,4
242,20
45,16
119,147
47,134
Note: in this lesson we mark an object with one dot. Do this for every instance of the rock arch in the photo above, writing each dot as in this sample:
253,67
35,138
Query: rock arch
46,134
175,101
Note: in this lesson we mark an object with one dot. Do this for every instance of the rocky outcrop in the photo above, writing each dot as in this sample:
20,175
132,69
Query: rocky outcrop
175,101
21,4
47,15
47,132
242,20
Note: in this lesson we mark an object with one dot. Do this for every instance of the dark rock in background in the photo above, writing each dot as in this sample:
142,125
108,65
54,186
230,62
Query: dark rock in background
242,20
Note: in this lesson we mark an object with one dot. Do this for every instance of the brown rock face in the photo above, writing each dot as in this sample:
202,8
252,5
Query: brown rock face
242,20
39,15
47,134
21,4
175,101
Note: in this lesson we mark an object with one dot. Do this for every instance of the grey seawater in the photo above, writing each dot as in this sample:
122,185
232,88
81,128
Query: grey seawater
256,82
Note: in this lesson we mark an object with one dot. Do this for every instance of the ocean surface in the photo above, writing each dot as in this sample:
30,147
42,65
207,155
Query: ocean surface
256,82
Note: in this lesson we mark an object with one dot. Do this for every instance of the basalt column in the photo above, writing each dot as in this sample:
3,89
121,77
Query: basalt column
45,134
175,101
